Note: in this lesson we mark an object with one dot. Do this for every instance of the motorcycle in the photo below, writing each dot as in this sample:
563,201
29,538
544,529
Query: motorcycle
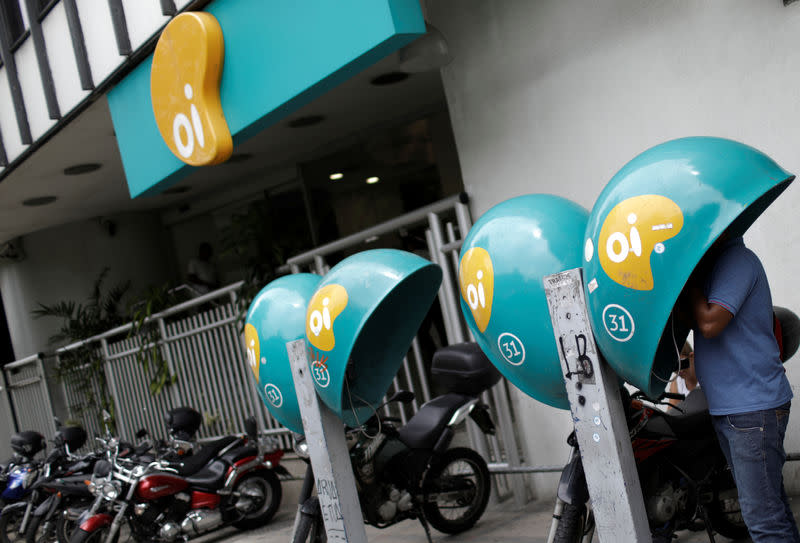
229,481
21,475
408,472
26,480
686,482
65,492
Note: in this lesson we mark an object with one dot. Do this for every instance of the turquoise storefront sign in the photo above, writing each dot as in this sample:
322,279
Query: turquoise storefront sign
278,56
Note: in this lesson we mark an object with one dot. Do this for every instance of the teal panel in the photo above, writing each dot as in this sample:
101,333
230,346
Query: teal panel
520,241
648,230
278,57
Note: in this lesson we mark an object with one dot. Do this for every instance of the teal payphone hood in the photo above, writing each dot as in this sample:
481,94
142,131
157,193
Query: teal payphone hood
277,316
360,323
648,230
504,259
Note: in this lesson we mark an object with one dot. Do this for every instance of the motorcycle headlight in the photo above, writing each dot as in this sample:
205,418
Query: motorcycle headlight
110,491
301,448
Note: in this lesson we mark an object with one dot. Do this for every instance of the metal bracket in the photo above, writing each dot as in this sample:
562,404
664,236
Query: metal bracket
330,458
600,424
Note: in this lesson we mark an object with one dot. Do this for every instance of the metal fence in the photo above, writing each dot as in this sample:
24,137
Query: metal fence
201,343
27,389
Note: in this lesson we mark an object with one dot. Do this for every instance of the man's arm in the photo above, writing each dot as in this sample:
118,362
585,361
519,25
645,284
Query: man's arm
711,318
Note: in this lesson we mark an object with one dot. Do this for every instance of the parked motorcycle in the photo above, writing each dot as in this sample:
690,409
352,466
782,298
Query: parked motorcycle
408,472
686,482
26,480
229,481
65,492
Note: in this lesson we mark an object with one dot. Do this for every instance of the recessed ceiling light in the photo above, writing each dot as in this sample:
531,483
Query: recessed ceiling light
372,180
336,176
389,79
302,122
39,201
80,169
177,190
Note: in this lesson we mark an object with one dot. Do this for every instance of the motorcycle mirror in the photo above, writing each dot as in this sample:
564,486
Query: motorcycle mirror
402,396
141,433
106,416
251,428
58,423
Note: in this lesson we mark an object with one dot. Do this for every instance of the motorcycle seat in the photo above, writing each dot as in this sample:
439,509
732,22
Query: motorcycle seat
210,477
690,425
198,460
694,422
427,425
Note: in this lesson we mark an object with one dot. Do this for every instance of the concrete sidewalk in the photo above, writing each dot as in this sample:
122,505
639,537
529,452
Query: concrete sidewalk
501,523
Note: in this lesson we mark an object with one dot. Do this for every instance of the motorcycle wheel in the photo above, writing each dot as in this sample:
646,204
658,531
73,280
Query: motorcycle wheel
97,536
310,529
570,525
264,488
462,472
724,512
10,522
58,530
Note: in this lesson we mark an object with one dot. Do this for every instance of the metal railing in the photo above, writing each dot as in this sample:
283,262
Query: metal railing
201,343
27,390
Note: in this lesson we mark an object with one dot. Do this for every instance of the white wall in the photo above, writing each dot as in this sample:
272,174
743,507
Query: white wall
556,95
62,264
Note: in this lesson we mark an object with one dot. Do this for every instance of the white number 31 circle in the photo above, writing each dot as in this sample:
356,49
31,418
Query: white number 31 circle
618,322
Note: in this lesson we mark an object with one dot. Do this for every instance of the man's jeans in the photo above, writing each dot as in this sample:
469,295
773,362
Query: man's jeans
753,444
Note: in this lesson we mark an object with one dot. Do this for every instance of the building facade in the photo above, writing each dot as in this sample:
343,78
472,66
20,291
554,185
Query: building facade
552,96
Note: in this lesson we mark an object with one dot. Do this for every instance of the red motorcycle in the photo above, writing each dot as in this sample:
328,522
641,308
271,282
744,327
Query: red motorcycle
686,483
230,481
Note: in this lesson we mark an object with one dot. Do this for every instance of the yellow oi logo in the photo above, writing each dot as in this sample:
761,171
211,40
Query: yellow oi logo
184,88
326,304
476,275
633,229
252,347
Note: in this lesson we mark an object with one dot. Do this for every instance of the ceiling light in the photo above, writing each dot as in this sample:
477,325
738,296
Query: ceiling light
302,122
39,201
336,176
389,78
372,180
80,169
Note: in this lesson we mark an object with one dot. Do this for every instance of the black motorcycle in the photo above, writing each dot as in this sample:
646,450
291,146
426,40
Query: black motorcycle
686,482
409,472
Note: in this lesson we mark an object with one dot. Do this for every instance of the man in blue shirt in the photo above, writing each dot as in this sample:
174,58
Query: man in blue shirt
738,365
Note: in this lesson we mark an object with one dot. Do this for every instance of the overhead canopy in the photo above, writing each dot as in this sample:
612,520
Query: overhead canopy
278,57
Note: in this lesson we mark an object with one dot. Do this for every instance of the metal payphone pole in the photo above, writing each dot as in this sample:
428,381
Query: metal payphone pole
600,424
330,459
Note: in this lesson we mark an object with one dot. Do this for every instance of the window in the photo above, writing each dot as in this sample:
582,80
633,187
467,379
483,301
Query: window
13,25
